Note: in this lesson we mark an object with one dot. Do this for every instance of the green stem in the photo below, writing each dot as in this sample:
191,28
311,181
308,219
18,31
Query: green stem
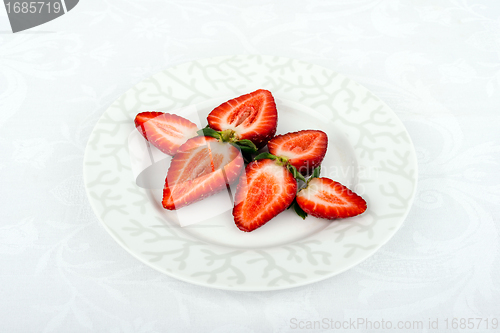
228,135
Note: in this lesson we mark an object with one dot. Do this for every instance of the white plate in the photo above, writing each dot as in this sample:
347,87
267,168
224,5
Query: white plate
369,151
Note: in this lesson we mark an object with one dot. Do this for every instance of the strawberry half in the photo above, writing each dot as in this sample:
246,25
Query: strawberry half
202,167
250,117
304,150
165,131
328,199
266,190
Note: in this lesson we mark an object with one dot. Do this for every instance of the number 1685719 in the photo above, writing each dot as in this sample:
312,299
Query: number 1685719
33,7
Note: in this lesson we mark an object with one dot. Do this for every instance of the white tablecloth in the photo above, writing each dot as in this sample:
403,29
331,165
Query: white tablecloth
436,63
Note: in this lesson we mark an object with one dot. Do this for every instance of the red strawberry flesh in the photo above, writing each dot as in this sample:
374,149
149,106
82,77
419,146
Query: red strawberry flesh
305,150
165,131
266,190
252,116
202,167
325,198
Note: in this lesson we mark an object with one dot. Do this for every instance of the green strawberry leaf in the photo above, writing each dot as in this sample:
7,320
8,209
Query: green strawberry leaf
244,149
300,212
265,155
316,172
207,131
295,173
245,142
246,146
291,205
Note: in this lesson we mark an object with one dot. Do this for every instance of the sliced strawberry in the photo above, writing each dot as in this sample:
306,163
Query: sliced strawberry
266,190
305,150
327,199
252,117
202,167
165,131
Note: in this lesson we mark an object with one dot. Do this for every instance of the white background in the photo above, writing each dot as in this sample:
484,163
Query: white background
436,63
